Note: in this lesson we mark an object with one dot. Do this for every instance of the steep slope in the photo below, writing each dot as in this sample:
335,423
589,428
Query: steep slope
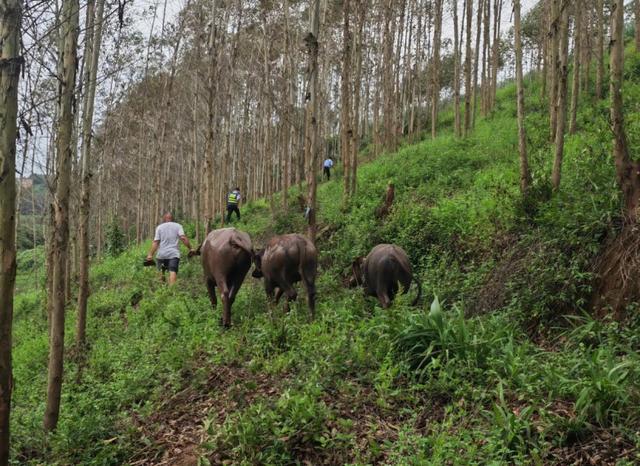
490,371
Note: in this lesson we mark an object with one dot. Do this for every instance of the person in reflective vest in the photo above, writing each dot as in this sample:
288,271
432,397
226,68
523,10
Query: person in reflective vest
233,201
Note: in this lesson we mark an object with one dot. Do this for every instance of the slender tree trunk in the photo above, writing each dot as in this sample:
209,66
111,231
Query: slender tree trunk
577,56
486,58
637,19
600,48
93,42
522,135
435,76
312,128
495,53
544,23
467,69
456,71
562,95
64,152
346,131
209,201
554,67
476,66
10,64
627,170
357,89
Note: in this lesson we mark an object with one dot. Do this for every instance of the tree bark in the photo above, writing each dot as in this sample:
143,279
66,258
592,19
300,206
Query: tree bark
311,127
600,48
357,89
346,131
495,53
10,64
562,95
64,153
522,135
577,57
435,76
467,69
476,65
93,42
637,21
627,170
554,65
456,71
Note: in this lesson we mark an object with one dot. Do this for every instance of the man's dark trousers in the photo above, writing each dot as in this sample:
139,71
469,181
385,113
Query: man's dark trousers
231,208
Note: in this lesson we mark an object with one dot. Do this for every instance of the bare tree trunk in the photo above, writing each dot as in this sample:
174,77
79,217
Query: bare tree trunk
435,76
476,66
389,139
209,200
64,152
522,135
495,54
456,71
554,67
357,130
346,131
577,56
600,48
627,170
637,18
467,69
93,42
544,23
10,64
562,95
311,126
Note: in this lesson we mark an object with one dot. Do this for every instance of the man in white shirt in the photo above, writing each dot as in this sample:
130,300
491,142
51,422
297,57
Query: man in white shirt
166,243
327,165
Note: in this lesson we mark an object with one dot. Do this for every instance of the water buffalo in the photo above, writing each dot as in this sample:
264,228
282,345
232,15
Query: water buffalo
286,260
226,258
380,272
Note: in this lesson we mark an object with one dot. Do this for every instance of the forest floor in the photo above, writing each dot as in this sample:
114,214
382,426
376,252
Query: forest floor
502,363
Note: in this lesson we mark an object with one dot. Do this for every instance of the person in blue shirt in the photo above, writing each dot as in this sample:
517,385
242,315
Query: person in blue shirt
327,165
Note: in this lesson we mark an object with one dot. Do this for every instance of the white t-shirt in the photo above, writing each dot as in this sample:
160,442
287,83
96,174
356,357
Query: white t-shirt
328,163
168,234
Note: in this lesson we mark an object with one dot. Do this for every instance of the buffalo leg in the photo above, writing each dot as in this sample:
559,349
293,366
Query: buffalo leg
226,305
291,295
310,285
278,295
211,288
385,302
309,272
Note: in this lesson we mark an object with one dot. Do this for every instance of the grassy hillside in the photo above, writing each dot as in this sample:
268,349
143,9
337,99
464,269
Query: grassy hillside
501,364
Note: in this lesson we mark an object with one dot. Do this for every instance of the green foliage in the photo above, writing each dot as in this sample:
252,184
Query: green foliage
115,240
498,375
273,433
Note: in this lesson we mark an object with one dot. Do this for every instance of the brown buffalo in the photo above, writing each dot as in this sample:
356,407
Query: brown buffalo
286,260
381,271
226,258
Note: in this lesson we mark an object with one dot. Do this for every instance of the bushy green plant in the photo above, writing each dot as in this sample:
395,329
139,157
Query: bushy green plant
115,242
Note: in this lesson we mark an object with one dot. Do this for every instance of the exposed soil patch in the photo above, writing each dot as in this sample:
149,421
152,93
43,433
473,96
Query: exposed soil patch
510,261
601,447
173,434
617,269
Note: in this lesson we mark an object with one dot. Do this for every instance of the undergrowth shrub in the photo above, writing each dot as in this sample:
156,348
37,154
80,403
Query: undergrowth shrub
273,432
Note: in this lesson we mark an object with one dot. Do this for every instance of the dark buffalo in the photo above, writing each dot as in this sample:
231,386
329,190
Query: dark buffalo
226,258
381,271
286,260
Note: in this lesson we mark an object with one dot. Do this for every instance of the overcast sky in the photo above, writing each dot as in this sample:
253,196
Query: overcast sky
174,6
